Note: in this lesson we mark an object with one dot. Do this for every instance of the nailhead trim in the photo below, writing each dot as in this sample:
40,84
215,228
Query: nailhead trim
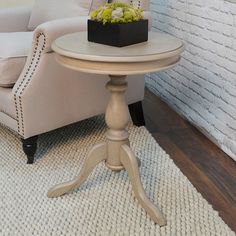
27,78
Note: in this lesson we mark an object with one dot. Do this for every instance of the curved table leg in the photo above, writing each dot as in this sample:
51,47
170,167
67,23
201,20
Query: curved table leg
115,151
96,155
130,163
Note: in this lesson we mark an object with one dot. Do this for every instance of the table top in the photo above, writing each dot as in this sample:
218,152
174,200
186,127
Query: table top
159,46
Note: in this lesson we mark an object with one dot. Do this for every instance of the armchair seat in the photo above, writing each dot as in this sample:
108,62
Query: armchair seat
7,105
14,49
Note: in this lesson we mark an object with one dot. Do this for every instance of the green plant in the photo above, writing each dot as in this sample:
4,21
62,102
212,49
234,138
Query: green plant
117,12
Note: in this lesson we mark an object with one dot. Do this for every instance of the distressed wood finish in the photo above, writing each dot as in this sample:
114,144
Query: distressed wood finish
209,169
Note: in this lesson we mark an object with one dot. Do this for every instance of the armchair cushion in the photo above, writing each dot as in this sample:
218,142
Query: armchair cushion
14,48
45,10
14,19
7,105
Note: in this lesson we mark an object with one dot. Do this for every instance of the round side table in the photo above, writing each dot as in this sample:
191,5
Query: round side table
161,52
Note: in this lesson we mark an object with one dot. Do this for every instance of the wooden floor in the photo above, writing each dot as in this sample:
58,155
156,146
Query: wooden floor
210,170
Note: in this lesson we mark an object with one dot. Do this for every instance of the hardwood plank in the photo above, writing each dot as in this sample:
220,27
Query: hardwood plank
160,117
201,182
210,170
203,158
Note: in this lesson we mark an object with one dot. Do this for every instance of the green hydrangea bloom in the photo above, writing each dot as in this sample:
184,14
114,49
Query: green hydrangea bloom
107,15
104,13
128,16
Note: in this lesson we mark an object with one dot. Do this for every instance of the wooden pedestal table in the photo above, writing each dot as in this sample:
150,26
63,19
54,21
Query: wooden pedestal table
74,51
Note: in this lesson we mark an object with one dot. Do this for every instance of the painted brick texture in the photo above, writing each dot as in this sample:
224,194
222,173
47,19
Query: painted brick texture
202,87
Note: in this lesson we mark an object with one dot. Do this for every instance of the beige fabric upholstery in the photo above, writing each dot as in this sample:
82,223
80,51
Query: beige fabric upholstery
10,69
14,19
47,96
15,44
7,105
56,28
45,10
8,122
14,48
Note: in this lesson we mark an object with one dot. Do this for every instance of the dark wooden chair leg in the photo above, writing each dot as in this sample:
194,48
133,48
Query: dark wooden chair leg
136,113
29,147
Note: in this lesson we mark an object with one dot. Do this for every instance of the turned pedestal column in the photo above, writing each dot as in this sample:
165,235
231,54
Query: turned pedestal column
115,151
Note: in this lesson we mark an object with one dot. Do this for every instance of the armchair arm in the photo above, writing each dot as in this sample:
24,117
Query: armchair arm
56,28
44,35
14,19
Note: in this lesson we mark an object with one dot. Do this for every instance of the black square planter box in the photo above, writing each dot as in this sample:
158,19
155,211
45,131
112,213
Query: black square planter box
118,34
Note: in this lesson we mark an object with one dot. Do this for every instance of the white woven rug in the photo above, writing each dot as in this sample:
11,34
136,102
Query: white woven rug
104,205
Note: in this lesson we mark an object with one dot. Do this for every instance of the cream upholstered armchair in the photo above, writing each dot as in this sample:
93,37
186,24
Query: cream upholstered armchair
38,95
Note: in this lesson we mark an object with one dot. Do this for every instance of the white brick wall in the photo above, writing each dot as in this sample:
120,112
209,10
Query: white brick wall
203,86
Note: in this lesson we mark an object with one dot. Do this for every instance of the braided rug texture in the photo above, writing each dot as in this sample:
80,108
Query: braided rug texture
105,204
